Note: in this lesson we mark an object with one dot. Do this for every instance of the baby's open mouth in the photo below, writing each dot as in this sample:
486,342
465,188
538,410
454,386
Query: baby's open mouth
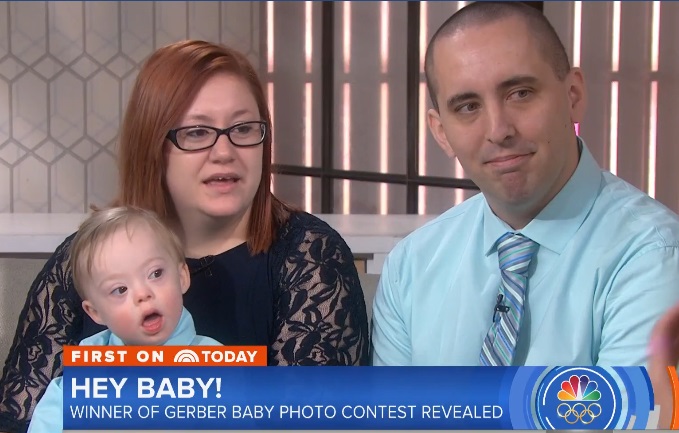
152,322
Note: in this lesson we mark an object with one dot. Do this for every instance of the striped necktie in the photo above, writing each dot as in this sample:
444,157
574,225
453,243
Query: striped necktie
514,252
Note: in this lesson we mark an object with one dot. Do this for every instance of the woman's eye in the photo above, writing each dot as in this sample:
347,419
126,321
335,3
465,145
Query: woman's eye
244,129
197,133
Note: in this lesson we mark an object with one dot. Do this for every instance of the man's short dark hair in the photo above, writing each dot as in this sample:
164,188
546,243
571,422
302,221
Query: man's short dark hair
485,12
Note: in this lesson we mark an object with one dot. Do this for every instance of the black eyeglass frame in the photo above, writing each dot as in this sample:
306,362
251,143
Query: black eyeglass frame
172,134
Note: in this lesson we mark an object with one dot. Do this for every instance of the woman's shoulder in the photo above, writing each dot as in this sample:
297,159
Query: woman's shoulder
61,252
302,225
56,269
307,236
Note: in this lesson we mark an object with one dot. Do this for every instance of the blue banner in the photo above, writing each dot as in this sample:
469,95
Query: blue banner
467,398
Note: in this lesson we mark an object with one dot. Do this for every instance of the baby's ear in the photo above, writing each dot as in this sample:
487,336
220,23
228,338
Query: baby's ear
92,312
184,277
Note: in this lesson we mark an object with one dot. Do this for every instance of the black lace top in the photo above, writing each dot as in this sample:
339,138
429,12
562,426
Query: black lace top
302,299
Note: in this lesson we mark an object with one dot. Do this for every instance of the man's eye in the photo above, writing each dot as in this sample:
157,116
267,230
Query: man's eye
520,94
468,108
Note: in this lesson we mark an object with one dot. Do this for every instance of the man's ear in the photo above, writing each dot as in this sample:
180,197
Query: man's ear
184,277
436,128
92,312
577,94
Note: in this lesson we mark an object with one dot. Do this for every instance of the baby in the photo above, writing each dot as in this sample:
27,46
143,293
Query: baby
129,270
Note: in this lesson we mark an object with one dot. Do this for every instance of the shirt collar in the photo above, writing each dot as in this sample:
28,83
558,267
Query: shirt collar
555,225
183,334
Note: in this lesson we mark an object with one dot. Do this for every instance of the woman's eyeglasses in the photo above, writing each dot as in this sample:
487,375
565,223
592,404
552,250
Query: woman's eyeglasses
245,134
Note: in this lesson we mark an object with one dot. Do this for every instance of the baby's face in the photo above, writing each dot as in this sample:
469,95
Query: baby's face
136,286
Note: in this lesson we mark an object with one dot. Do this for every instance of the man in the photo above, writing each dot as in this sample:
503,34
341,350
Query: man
556,262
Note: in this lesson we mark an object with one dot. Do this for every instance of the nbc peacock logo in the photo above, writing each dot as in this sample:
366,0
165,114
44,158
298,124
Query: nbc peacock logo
578,398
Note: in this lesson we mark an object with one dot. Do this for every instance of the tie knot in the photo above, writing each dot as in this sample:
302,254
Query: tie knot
515,252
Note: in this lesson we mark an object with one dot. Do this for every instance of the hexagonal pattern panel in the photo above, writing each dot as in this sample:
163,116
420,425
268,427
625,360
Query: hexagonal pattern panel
137,34
101,24
102,179
204,22
5,188
238,29
68,190
127,85
31,186
67,104
65,21
11,152
48,67
4,24
28,34
102,107
85,66
10,68
170,23
121,66
66,71
49,151
4,111
29,110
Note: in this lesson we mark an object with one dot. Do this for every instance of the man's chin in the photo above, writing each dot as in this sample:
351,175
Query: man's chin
514,192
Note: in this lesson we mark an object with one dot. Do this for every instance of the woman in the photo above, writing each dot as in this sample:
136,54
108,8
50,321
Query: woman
195,147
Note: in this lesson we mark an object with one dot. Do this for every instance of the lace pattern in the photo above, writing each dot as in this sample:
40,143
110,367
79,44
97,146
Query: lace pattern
322,316
50,318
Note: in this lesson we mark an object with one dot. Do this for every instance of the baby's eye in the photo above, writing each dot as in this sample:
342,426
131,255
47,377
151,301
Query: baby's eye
156,274
119,290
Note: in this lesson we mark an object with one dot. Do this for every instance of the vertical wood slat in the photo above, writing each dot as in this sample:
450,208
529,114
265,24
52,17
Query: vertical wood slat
634,90
595,55
667,175
560,15
328,45
435,162
635,78
595,62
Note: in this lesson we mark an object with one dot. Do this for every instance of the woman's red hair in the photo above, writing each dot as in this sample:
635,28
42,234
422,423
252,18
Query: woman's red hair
165,88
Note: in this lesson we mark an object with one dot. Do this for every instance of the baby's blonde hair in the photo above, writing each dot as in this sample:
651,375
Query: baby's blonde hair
101,225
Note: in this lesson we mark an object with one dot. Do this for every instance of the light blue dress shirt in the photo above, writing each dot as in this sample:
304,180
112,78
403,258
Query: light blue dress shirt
606,269
48,416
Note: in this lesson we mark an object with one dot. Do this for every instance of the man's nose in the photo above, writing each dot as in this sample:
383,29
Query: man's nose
500,125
